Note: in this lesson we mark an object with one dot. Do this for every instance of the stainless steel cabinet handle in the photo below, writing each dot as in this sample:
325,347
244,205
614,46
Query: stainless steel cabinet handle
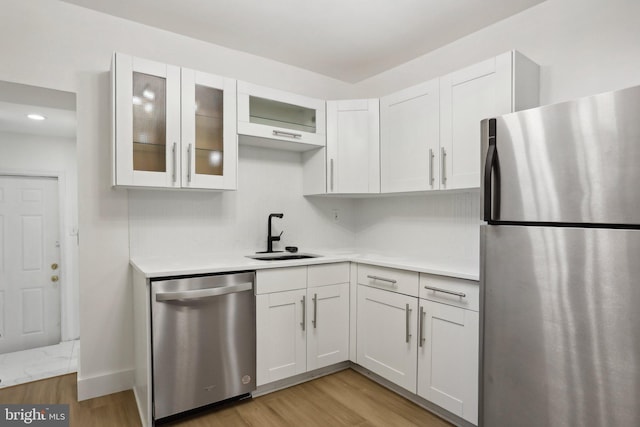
304,312
288,134
331,173
175,161
189,163
408,312
315,311
444,291
421,327
202,293
382,279
443,158
431,156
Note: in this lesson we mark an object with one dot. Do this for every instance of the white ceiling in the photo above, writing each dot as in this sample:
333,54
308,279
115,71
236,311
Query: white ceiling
59,122
18,100
346,39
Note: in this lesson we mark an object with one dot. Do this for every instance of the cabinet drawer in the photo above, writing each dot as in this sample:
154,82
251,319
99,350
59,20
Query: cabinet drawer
281,279
390,279
449,290
328,274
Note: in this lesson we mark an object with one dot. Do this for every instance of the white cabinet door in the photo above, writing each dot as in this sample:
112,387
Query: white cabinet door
328,325
172,127
448,358
353,146
467,96
209,139
298,122
281,349
409,141
387,336
146,103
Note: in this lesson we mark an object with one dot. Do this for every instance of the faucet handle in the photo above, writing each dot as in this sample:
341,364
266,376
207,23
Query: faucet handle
277,238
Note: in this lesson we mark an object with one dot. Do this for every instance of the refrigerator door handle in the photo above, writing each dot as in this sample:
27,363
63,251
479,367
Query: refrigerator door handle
488,169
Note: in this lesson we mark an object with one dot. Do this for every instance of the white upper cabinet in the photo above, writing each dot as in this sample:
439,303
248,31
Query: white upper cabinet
272,118
172,127
500,85
209,138
353,146
147,123
430,133
409,142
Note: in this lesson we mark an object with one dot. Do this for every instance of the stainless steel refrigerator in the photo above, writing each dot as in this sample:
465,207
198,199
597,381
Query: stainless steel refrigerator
560,265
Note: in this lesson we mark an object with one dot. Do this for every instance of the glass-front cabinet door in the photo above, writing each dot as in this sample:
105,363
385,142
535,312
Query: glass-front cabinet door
173,127
277,115
209,139
146,122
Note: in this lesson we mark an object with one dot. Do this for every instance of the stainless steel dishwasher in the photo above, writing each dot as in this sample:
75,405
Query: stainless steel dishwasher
204,341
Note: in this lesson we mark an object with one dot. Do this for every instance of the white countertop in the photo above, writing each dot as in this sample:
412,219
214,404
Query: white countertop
152,267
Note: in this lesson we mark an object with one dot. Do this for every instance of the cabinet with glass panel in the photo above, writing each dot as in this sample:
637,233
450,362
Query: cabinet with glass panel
173,127
272,118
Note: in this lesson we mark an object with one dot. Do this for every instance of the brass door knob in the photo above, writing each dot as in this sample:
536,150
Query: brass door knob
54,278
54,266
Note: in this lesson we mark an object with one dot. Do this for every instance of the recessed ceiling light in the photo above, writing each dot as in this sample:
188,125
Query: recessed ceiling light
36,116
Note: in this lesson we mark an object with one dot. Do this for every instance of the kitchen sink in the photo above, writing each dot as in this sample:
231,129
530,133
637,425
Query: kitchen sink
281,257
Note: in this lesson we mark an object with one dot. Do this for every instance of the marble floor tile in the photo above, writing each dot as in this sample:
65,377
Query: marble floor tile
38,363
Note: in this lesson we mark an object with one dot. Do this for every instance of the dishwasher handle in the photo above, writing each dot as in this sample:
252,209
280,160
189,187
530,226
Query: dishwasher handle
202,293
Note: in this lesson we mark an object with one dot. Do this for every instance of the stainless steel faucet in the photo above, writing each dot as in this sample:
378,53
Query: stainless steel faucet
270,238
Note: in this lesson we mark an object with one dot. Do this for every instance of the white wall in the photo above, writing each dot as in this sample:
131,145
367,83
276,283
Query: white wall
441,229
35,153
269,181
583,47
61,46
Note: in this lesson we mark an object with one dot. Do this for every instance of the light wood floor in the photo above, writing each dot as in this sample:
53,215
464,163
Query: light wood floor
342,399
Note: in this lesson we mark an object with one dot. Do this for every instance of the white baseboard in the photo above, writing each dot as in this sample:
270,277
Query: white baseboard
143,416
101,385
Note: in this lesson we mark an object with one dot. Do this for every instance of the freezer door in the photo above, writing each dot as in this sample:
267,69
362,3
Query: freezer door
575,162
560,316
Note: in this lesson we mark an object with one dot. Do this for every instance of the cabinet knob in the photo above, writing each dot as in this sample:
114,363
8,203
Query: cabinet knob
54,266
54,278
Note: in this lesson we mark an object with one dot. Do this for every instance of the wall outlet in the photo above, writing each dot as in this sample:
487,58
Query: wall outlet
335,214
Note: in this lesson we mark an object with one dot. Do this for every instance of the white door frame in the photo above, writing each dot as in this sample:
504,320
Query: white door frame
62,226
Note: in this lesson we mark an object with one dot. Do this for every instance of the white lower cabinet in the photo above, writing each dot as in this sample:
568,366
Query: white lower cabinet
387,335
301,329
448,348
328,325
281,349
419,331
448,358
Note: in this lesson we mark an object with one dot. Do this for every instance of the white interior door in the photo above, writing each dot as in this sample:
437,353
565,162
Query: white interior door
29,248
